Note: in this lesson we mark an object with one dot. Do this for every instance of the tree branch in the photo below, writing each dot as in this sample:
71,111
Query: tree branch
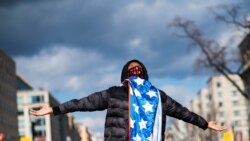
213,57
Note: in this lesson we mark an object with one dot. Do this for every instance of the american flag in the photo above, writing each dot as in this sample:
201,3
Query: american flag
145,111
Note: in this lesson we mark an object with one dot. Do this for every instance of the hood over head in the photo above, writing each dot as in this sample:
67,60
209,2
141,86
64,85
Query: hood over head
124,74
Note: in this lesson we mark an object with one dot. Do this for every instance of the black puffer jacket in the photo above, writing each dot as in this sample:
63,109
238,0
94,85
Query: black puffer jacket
115,100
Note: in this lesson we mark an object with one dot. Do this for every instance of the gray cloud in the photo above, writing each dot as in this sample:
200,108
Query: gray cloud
31,27
119,31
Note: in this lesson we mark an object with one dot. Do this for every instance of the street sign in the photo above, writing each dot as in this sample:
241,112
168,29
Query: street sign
228,136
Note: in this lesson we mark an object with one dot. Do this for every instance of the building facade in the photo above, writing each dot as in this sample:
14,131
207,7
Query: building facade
73,129
8,106
84,132
177,131
200,105
230,108
37,127
42,128
221,102
69,128
227,107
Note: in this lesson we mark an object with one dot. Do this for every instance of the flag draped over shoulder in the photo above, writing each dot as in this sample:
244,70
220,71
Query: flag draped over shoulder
145,110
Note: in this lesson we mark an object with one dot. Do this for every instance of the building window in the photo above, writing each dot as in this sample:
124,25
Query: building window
21,133
234,93
209,97
40,121
219,94
220,104
218,84
20,112
20,100
222,123
235,103
221,114
237,113
236,123
40,133
37,99
20,124
199,105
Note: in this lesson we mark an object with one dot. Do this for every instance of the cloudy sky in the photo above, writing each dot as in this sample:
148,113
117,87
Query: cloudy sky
74,48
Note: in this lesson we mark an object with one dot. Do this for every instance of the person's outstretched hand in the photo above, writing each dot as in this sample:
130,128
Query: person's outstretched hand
44,110
214,126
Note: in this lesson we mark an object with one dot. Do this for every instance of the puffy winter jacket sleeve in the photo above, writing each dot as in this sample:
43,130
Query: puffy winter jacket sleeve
94,102
176,110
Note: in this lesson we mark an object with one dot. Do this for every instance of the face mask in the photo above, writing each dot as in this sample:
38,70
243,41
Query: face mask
135,71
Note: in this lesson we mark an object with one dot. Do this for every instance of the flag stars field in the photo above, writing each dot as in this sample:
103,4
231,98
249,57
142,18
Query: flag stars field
144,101
151,94
150,137
132,122
143,124
139,81
137,138
136,108
137,93
148,107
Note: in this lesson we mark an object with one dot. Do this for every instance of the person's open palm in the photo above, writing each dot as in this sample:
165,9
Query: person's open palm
214,126
44,110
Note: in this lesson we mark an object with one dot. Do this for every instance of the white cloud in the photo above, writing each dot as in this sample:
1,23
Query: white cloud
65,68
180,93
135,42
182,90
74,82
230,37
184,62
155,12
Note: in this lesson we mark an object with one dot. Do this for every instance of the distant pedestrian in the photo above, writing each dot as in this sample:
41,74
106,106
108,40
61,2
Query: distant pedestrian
136,110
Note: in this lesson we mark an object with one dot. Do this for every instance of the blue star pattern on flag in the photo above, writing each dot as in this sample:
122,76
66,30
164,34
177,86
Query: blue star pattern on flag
145,110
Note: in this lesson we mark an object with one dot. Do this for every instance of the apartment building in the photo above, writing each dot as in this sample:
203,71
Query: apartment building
220,101
194,131
84,132
72,129
8,106
230,107
177,131
42,128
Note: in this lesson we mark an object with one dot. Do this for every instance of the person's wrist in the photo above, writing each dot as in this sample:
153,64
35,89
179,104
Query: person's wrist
50,110
56,110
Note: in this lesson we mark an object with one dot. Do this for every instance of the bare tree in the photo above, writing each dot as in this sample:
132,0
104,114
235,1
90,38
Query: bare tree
213,55
232,14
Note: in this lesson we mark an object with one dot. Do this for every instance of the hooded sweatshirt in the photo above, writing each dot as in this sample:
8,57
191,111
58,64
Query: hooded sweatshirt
115,101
